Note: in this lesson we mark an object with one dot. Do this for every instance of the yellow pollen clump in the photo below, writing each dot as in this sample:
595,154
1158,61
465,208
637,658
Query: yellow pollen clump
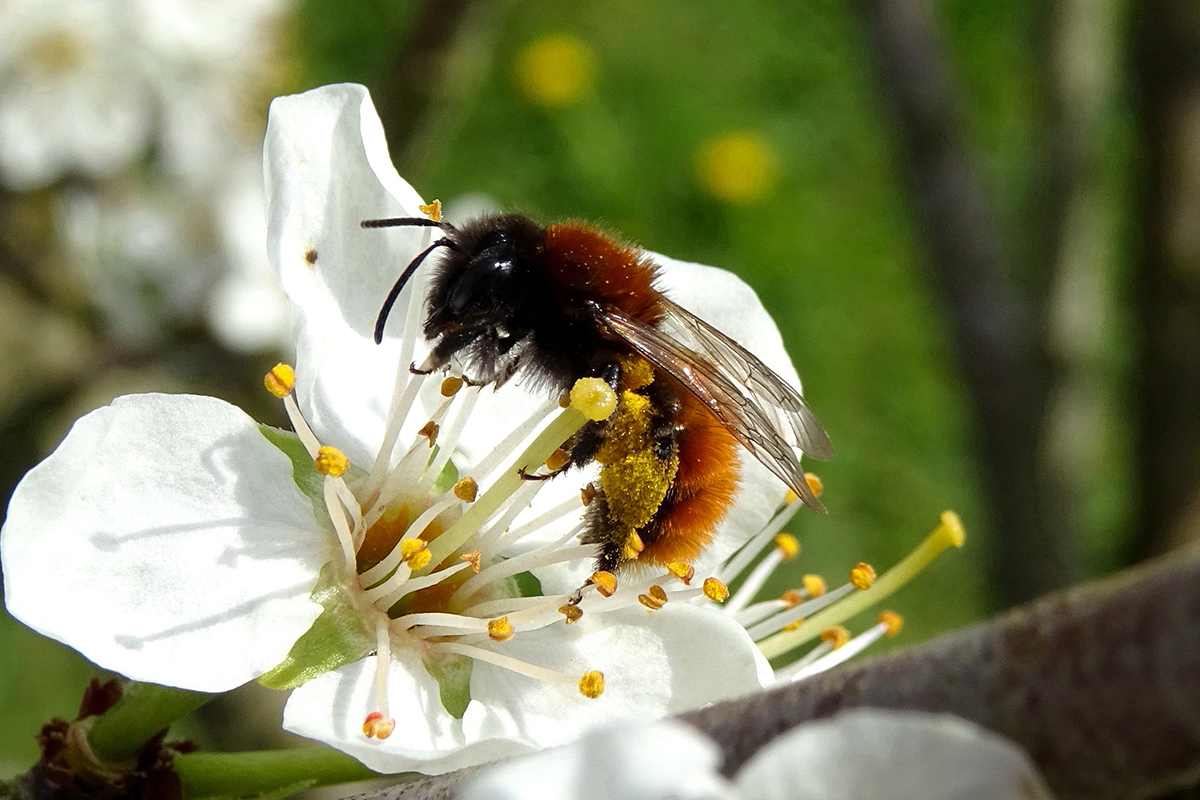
791,598
331,461
814,483
591,685
572,613
813,584
633,547
715,590
636,372
862,576
737,167
654,599
466,489
952,528
500,630
682,572
376,727
593,398
555,70
790,497
474,558
891,621
450,386
433,210
557,460
789,548
430,431
280,381
604,581
791,626
835,635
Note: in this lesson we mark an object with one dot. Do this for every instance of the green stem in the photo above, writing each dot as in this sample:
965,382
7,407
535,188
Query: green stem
248,774
143,711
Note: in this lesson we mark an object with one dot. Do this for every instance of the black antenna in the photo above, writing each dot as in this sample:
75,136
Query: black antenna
396,222
403,279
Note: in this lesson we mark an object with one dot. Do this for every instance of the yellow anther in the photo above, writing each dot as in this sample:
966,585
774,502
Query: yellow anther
450,386
791,626
682,572
376,727
891,621
500,630
433,210
790,497
634,546
332,462
862,576
654,598
430,431
466,489
280,381
715,590
572,613
789,548
591,685
593,398
952,528
474,558
791,598
835,635
557,460
589,493
415,552
814,483
813,584
604,581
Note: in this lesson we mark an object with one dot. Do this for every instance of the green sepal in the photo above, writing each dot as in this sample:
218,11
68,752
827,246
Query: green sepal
304,471
527,585
453,676
448,477
339,636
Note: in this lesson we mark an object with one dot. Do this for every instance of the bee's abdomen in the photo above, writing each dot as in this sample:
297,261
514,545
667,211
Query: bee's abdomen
672,491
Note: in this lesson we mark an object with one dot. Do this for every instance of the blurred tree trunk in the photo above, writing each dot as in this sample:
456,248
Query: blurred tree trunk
997,327
1167,63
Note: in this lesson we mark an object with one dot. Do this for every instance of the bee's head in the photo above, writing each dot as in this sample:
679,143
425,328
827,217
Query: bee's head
486,287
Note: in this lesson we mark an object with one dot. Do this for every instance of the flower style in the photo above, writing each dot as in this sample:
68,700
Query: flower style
385,559
864,753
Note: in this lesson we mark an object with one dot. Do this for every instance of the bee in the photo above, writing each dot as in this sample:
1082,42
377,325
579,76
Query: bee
565,301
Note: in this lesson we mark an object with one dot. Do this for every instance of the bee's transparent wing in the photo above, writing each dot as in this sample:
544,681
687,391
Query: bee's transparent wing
765,432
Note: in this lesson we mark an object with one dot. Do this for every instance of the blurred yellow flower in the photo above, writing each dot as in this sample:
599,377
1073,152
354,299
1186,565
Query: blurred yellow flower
555,70
738,167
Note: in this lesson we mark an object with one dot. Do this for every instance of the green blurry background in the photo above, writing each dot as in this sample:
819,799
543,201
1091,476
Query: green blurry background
754,136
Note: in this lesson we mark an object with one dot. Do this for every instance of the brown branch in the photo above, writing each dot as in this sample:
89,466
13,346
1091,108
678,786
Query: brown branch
1100,684
996,328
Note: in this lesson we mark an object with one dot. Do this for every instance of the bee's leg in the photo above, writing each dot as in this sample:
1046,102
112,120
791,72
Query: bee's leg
526,476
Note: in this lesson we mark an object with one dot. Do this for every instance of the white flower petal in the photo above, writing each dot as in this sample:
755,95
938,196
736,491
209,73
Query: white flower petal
331,708
663,761
654,663
165,540
872,753
327,170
